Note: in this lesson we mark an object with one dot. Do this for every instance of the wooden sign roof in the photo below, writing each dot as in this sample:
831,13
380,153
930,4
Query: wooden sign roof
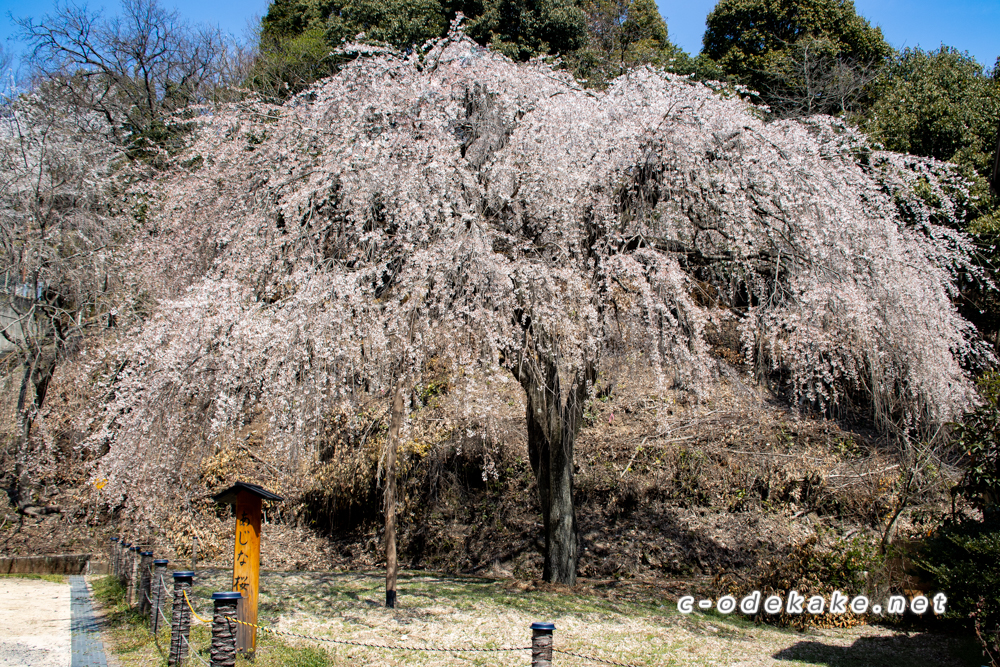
229,495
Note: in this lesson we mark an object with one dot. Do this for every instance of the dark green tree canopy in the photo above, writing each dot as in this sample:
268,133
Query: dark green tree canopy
622,34
747,37
291,18
520,29
944,104
298,37
401,23
597,39
940,104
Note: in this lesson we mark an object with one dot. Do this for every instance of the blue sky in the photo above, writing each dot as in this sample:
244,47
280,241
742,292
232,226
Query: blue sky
969,25
230,15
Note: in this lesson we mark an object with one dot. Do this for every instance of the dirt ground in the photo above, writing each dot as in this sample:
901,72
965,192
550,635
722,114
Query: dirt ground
34,623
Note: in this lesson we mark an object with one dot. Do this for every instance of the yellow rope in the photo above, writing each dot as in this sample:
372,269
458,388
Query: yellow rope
193,612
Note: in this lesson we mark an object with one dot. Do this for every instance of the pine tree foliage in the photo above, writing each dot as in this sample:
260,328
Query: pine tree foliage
300,259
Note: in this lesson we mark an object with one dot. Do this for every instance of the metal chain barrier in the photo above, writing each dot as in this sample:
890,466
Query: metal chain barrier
163,587
391,647
593,659
394,647
362,644
191,651
165,619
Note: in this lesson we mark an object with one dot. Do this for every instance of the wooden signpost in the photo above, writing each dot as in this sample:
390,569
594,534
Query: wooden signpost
246,555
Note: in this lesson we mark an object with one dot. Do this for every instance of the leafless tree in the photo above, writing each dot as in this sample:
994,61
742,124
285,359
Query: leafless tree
55,243
134,68
5,61
810,77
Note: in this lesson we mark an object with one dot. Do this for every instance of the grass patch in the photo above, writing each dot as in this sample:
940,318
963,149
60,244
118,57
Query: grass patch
135,646
127,630
272,652
617,621
54,578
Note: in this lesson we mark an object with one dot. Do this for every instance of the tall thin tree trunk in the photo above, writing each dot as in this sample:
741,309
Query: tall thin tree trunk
391,562
34,386
995,174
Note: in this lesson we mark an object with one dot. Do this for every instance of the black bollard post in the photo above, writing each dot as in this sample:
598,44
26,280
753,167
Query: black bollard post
541,644
224,629
158,594
180,624
145,582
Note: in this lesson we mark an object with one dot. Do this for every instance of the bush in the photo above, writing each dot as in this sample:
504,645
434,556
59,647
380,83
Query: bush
962,559
813,568
978,436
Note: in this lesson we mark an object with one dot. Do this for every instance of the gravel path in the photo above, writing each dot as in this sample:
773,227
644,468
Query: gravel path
34,623
45,624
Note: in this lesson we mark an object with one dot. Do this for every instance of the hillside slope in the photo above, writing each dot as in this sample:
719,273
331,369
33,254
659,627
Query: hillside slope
436,220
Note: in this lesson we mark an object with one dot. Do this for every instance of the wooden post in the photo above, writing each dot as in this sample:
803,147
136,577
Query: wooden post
145,581
127,554
391,561
246,565
180,621
122,557
248,499
159,588
112,554
541,644
223,650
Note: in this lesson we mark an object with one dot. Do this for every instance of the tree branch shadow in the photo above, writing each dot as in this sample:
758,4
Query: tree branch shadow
901,649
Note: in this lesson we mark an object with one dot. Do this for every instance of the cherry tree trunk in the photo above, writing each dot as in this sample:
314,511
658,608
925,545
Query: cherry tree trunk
553,422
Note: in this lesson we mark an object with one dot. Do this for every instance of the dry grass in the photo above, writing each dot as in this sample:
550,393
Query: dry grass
54,578
605,620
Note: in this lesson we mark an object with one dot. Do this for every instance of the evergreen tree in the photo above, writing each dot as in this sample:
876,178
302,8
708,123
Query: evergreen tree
941,104
800,55
622,34
598,39
522,29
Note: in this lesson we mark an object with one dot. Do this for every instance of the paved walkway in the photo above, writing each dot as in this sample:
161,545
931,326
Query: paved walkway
87,649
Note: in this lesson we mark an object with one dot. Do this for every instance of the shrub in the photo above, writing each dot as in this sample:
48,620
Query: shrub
978,436
962,558
812,568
